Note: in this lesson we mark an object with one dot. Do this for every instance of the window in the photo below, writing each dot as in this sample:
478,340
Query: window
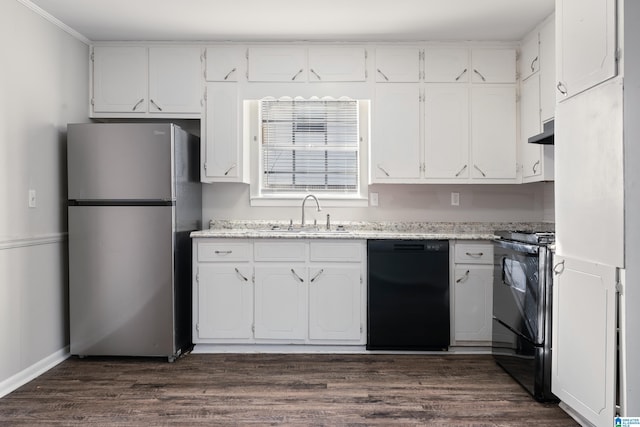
309,146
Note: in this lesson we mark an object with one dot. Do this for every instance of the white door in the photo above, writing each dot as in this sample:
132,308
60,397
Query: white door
473,293
337,64
446,131
493,133
586,41
493,65
281,301
584,338
335,303
396,151
277,64
446,65
531,154
176,82
225,302
222,160
120,79
397,65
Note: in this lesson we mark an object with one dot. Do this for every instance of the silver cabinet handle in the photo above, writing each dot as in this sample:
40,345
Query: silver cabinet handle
318,274
463,277
137,104
296,276
535,166
241,275
233,70
461,170
229,170
297,74
223,252
382,74
558,268
461,74
382,169
533,66
315,74
562,88
480,74
474,254
480,170
155,105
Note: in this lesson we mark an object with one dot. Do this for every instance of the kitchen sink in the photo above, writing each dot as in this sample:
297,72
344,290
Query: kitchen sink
305,230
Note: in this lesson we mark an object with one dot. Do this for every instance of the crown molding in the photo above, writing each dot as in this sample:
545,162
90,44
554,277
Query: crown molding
55,21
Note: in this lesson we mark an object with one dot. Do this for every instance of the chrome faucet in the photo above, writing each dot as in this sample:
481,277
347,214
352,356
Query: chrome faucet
309,196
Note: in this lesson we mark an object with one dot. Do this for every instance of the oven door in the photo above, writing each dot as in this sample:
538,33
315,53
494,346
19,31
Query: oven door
518,290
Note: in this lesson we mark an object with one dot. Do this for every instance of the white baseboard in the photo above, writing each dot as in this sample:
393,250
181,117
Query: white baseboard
330,349
21,378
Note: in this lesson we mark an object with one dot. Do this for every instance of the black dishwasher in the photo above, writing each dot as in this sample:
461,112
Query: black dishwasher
408,298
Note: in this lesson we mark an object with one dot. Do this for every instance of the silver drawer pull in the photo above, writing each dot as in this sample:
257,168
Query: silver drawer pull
382,74
474,254
558,268
463,277
297,74
241,275
296,276
318,274
229,73
137,103
461,170
480,74
223,252
461,74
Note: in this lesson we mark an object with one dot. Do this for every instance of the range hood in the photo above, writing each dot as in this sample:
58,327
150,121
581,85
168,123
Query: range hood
546,137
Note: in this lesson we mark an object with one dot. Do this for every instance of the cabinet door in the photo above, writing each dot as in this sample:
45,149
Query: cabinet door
446,65
396,141
225,302
119,79
586,40
397,65
584,338
281,302
176,83
277,64
446,131
493,133
223,150
548,71
530,55
531,154
337,64
493,65
473,302
224,63
335,303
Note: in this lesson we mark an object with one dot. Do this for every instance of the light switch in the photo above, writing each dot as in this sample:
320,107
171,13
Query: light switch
373,199
455,199
32,198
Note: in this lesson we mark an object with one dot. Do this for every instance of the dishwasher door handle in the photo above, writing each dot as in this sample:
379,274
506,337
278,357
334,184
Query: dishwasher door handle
408,247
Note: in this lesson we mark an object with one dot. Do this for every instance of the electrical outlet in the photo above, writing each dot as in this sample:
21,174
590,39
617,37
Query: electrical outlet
32,198
373,199
455,199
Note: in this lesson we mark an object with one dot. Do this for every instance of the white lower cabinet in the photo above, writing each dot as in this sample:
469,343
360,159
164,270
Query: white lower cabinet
472,285
284,291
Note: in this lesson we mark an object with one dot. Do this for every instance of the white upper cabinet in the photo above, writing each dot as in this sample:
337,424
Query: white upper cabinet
337,64
446,65
397,64
277,64
224,63
119,79
530,125
530,55
586,40
137,81
548,71
493,65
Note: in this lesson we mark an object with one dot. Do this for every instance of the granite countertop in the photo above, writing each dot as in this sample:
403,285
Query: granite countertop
366,230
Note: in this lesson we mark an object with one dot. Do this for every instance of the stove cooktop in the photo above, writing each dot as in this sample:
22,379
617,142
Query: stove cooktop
528,236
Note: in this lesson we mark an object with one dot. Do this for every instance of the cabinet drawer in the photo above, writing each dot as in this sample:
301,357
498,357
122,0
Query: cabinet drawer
278,250
340,251
473,253
224,251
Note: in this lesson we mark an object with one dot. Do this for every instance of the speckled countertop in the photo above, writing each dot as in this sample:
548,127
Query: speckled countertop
366,230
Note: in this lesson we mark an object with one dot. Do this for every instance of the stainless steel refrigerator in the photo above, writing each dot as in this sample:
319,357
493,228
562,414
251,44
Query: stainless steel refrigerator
134,197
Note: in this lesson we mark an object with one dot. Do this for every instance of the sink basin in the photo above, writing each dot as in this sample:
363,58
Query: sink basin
306,230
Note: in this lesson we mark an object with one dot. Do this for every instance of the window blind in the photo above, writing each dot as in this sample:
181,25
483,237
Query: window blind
309,145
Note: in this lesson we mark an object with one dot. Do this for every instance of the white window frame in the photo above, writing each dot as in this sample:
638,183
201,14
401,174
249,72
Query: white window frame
252,129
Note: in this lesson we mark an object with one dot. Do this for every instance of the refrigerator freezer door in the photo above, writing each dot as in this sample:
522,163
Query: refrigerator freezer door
121,280
131,161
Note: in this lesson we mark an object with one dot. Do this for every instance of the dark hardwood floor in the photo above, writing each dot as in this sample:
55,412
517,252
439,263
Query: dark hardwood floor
276,389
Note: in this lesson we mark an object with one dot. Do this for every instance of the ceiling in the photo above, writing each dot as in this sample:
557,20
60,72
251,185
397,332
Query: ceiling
284,20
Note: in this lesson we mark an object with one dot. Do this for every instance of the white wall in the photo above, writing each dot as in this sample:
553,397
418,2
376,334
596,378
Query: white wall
478,203
43,86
